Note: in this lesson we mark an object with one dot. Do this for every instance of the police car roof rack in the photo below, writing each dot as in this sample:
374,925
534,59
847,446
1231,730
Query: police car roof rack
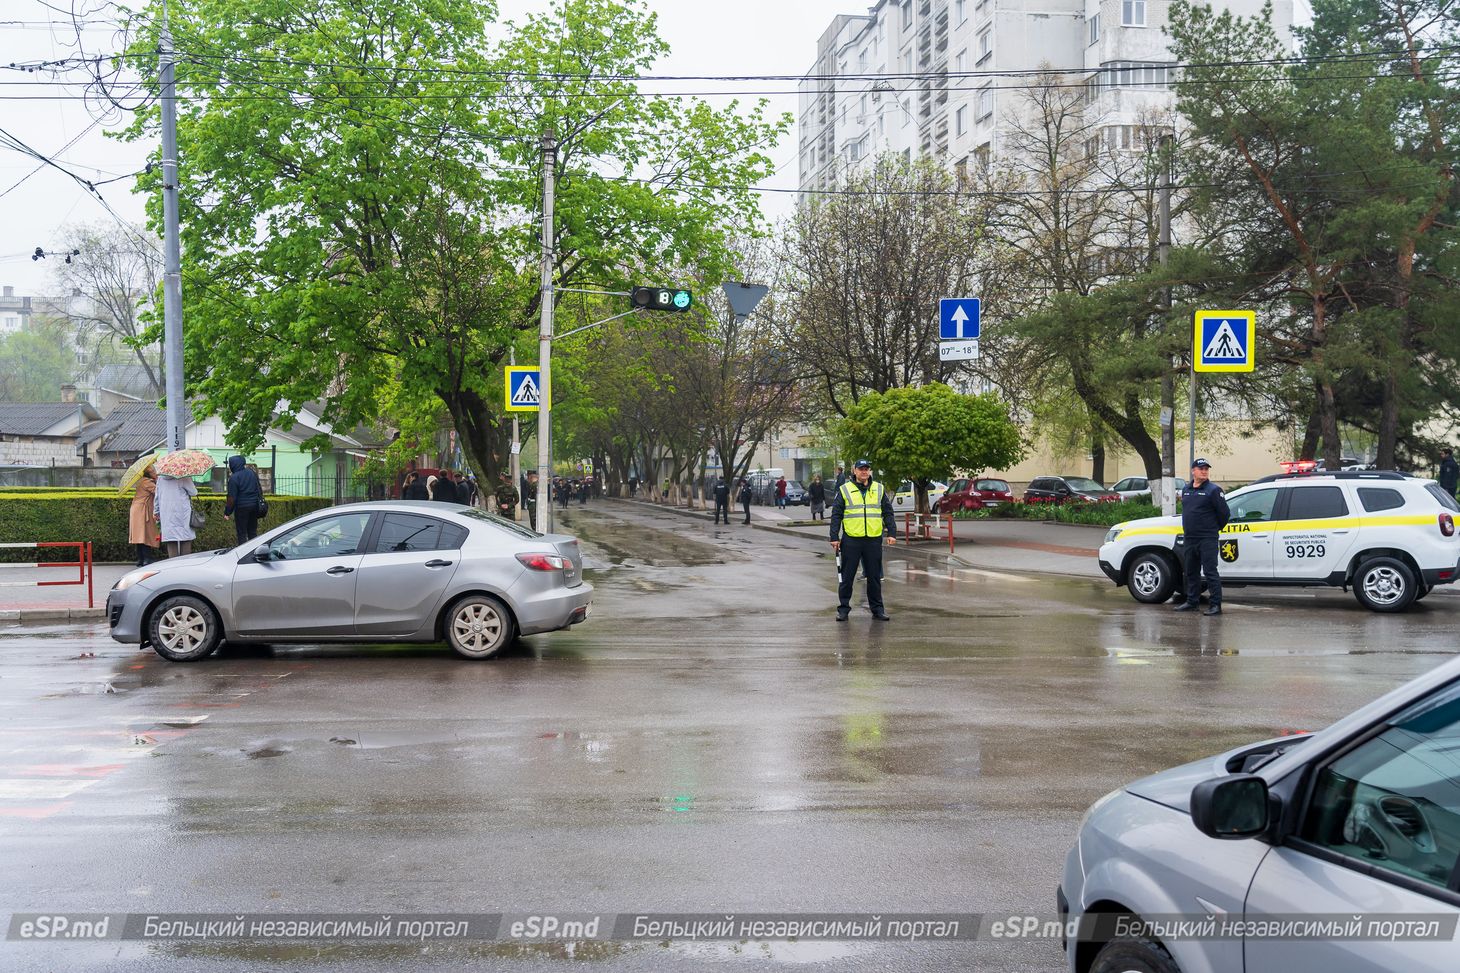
1337,474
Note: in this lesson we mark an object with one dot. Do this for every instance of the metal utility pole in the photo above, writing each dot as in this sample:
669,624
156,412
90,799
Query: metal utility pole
172,338
1168,374
545,342
516,460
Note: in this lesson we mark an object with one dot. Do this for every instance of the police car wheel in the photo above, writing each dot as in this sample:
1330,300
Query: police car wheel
1385,584
1151,578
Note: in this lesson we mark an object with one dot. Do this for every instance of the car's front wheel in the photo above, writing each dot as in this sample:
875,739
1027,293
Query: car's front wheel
184,629
1385,584
1151,578
1134,955
479,627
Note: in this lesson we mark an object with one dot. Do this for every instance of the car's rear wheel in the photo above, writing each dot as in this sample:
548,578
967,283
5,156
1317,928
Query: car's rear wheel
184,629
479,626
1151,578
1385,584
1134,955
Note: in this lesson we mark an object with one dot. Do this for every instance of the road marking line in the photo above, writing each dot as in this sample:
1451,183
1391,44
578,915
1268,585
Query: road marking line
20,789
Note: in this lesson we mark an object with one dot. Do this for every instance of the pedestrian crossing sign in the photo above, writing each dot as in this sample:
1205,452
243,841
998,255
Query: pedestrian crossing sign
1224,341
524,388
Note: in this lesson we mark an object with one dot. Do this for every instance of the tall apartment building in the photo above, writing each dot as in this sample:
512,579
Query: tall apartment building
910,76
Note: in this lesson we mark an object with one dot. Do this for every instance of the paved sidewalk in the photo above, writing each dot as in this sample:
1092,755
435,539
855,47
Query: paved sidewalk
55,603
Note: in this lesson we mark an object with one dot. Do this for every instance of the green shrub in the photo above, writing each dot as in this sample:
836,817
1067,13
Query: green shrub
85,515
1093,514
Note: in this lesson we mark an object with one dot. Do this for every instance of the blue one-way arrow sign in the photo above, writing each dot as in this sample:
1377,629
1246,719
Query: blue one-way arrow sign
958,318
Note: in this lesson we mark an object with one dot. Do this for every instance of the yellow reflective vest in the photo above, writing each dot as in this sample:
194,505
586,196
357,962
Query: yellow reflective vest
863,516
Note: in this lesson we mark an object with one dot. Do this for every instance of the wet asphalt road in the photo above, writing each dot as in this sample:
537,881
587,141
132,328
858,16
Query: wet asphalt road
710,741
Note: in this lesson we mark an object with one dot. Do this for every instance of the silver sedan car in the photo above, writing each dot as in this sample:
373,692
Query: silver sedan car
396,571
1336,851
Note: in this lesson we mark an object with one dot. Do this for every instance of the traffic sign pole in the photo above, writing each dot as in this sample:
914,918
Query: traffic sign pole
545,342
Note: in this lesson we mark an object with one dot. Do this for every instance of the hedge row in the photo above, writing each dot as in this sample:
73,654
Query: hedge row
57,515
1094,514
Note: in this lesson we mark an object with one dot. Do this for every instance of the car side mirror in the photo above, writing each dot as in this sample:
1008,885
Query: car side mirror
1230,807
262,553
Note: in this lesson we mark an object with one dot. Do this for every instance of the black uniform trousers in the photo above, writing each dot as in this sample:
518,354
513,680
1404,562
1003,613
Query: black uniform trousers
865,552
746,505
722,509
245,524
1201,562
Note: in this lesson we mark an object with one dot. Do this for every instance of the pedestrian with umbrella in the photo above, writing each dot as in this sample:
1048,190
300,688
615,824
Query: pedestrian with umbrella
141,518
174,499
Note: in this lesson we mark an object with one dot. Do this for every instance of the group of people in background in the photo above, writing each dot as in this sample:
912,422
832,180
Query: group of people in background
443,486
162,514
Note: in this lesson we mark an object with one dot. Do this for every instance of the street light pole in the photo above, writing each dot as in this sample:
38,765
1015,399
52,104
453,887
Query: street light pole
172,270
545,342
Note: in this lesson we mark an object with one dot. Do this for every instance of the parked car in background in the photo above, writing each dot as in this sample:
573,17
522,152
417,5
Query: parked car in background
795,493
906,500
968,493
1067,489
1138,486
389,571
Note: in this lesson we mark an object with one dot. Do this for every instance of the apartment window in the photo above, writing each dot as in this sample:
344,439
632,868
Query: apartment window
862,61
961,168
959,119
1133,13
960,10
12,322
960,62
1095,29
981,157
906,14
907,157
864,105
985,105
1134,74
985,45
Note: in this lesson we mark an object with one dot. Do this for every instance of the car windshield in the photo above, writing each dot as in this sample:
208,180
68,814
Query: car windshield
998,486
793,485
1084,484
501,523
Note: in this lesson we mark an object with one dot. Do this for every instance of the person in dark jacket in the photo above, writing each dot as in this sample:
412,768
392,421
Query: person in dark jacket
722,501
745,497
245,497
1449,471
1204,513
444,490
415,487
816,496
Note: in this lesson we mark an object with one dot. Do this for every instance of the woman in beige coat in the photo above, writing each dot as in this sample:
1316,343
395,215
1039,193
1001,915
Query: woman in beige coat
142,527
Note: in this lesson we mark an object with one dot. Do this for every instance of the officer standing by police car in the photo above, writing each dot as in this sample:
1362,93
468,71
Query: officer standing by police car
861,518
1204,513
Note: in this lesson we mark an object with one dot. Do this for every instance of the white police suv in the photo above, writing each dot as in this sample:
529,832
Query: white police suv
1388,536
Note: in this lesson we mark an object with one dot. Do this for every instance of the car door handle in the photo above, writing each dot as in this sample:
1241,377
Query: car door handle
339,569
438,563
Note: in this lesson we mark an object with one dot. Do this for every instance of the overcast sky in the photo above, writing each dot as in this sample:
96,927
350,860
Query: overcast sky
705,37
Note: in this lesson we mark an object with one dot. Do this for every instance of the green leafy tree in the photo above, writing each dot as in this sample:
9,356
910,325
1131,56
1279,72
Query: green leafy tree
924,433
361,187
34,364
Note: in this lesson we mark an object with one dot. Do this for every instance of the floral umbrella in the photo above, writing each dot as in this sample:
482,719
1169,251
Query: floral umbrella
135,471
185,462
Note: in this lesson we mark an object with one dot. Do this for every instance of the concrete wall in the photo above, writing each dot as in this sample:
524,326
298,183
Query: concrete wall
62,476
37,451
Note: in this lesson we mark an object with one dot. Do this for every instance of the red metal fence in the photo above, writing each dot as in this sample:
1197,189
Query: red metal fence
85,567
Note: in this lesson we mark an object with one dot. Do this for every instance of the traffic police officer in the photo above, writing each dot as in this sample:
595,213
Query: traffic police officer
861,518
1204,513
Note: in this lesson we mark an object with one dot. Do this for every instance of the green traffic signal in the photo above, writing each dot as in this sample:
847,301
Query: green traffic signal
661,299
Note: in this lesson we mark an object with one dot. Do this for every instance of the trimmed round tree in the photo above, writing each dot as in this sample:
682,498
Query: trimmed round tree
921,434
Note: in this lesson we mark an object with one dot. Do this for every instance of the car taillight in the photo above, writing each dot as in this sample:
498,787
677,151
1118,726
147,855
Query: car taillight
543,562
1447,525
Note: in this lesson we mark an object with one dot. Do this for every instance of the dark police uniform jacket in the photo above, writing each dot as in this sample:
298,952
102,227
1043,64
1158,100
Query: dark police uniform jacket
1204,510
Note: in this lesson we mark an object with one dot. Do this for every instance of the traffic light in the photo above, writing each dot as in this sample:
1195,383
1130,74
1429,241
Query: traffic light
661,299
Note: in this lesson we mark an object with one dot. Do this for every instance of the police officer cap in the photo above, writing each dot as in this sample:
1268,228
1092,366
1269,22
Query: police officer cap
1202,463
862,464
